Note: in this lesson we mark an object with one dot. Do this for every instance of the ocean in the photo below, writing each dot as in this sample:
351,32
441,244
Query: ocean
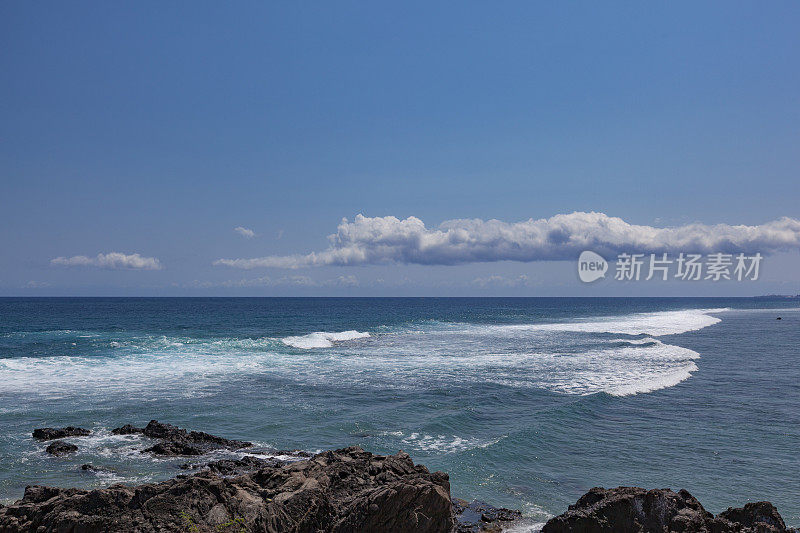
526,402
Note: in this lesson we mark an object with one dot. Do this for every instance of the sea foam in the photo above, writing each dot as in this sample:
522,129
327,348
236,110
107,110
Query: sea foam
569,357
323,339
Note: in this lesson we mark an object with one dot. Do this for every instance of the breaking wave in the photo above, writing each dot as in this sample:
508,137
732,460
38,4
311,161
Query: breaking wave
322,339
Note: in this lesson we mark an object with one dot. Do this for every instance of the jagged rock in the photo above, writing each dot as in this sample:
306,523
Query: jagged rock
636,510
347,490
176,441
479,517
158,430
60,448
59,433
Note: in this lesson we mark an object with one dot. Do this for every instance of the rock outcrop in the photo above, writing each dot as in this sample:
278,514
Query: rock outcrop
59,433
175,441
637,510
347,490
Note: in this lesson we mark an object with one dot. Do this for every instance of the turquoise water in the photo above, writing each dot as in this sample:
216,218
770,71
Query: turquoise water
527,403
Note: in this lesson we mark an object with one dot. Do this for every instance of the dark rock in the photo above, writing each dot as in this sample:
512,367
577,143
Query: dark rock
636,510
157,430
762,515
177,442
60,448
93,469
478,516
235,467
172,448
347,490
127,429
59,433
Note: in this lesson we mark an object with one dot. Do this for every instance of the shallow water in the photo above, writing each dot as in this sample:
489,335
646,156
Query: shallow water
527,403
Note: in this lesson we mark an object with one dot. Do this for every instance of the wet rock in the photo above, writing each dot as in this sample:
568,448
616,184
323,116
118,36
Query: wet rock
59,433
127,429
234,467
478,516
340,491
94,469
173,448
175,441
60,448
158,430
636,510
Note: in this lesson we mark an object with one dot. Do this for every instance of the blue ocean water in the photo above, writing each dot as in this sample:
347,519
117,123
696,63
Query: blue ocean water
526,402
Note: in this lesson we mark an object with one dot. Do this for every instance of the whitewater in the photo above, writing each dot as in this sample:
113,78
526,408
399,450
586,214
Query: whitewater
525,402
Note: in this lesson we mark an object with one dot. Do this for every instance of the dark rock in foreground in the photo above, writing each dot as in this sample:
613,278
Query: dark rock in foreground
636,510
60,448
59,433
347,490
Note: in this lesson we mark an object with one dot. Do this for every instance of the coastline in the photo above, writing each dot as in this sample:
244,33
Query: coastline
344,490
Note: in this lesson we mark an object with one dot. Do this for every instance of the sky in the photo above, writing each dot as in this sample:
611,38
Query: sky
408,149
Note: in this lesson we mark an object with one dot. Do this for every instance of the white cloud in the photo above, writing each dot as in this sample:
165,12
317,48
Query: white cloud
380,240
284,281
502,281
111,261
244,232
32,284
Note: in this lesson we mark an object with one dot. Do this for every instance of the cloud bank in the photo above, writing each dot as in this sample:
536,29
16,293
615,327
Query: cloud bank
245,232
110,261
381,240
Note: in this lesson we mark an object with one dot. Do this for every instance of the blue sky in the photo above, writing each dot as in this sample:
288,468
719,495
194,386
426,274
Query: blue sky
157,128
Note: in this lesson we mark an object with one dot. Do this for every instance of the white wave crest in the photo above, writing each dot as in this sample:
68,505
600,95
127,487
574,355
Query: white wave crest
655,324
322,339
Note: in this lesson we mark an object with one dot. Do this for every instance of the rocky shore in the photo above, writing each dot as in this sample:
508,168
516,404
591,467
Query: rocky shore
346,490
